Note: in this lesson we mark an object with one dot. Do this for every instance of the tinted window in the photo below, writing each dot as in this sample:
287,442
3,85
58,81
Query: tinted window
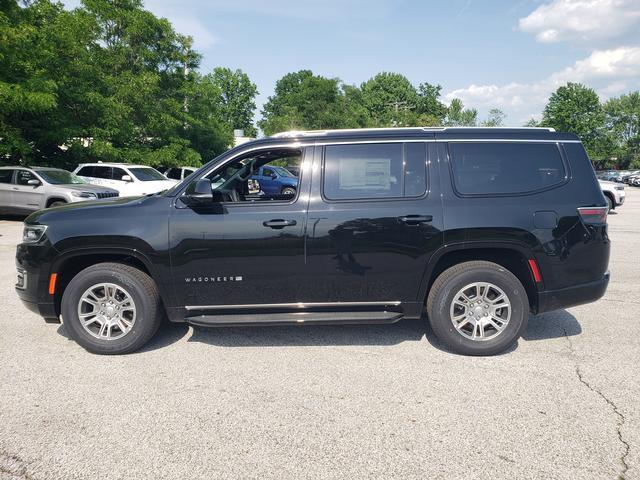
5,176
118,173
415,170
503,168
363,171
86,172
23,177
102,172
173,173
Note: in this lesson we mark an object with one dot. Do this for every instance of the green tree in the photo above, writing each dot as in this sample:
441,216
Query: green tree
121,86
495,118
459,116
622,120
303,100
390,99
576,108
430,109
236,97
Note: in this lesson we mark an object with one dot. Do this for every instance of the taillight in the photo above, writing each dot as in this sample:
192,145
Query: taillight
593,215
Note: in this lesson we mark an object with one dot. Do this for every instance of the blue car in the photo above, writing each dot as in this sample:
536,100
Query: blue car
276,180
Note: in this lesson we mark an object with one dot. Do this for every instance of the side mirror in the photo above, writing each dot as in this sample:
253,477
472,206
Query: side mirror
204,193
34,182
126,178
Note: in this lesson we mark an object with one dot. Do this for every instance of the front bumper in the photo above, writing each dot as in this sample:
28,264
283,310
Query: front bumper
572,296
32,284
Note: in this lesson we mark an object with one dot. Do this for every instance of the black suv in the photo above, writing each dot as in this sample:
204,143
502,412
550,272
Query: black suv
480,226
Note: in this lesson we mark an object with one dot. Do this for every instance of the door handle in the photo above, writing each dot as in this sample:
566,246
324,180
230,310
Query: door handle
415,219
279,223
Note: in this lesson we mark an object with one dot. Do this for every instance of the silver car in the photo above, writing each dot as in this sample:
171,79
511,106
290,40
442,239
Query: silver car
27,189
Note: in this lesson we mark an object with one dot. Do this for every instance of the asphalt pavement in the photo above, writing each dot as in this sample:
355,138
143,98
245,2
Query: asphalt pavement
329,402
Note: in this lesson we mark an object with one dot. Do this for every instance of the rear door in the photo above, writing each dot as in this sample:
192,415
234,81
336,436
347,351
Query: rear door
375,219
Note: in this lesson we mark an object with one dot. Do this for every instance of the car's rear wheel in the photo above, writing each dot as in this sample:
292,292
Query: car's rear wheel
477,308
111,308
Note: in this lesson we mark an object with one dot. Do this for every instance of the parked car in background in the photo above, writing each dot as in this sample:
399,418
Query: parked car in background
634,180
276,180
177,173
129,180
613,192
27,189
606,175
628,175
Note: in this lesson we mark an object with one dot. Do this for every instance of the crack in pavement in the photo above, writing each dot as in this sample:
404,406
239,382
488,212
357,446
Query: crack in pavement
620,417
14,466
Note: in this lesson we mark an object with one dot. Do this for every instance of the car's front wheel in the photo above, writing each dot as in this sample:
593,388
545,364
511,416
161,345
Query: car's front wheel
289,191
111,308
477,308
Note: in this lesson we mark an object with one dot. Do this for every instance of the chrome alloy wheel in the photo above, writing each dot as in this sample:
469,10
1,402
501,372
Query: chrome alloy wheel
107,311
480,311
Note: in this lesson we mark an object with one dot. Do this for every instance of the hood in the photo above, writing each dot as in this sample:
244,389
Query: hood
106,208
87,187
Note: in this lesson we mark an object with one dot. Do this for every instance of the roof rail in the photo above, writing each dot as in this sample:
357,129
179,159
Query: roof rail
306,133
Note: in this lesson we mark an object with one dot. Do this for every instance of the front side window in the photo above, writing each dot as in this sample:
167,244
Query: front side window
505,168
173,173
239,181
372,171
147,174
118,173
23,177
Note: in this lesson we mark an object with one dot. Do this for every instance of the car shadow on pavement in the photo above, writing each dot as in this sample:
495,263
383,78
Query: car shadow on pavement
13,218
556,324
311,335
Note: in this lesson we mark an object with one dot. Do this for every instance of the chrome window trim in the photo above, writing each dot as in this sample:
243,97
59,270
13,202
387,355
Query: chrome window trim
301,305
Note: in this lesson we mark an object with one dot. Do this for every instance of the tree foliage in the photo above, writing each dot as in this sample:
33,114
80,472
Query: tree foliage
110,81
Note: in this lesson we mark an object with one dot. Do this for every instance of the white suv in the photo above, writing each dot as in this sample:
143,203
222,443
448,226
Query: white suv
613,192
128,179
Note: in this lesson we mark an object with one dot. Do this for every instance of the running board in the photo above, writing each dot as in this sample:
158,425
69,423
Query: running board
293,318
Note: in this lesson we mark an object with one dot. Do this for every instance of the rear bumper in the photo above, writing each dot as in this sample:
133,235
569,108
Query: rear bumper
572,296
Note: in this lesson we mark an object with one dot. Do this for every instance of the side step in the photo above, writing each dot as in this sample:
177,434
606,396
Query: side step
293,318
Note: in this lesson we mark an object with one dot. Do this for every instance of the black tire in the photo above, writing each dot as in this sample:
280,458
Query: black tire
451,281
57,203
143,290
609,202
288,191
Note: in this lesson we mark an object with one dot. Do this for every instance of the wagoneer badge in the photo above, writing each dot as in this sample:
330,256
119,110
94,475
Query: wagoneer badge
212,279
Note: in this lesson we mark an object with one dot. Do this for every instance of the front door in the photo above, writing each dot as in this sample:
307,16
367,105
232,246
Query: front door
25,196
248,250
375,219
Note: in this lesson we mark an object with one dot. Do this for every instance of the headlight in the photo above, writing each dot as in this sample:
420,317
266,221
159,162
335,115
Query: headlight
33,233
84,194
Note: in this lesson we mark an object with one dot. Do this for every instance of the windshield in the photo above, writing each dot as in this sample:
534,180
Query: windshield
147,174
60,177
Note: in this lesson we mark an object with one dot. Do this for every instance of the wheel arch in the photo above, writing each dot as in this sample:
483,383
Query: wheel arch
611,197
69,265
512,256
52,199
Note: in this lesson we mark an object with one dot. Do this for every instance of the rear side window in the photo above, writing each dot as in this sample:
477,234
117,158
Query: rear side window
5,176
102,172
505,168
371,171
86,172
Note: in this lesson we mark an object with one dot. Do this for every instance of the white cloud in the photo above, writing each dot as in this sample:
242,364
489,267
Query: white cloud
583,21
609,72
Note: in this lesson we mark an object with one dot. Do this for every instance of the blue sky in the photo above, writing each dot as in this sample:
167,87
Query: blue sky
505,54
